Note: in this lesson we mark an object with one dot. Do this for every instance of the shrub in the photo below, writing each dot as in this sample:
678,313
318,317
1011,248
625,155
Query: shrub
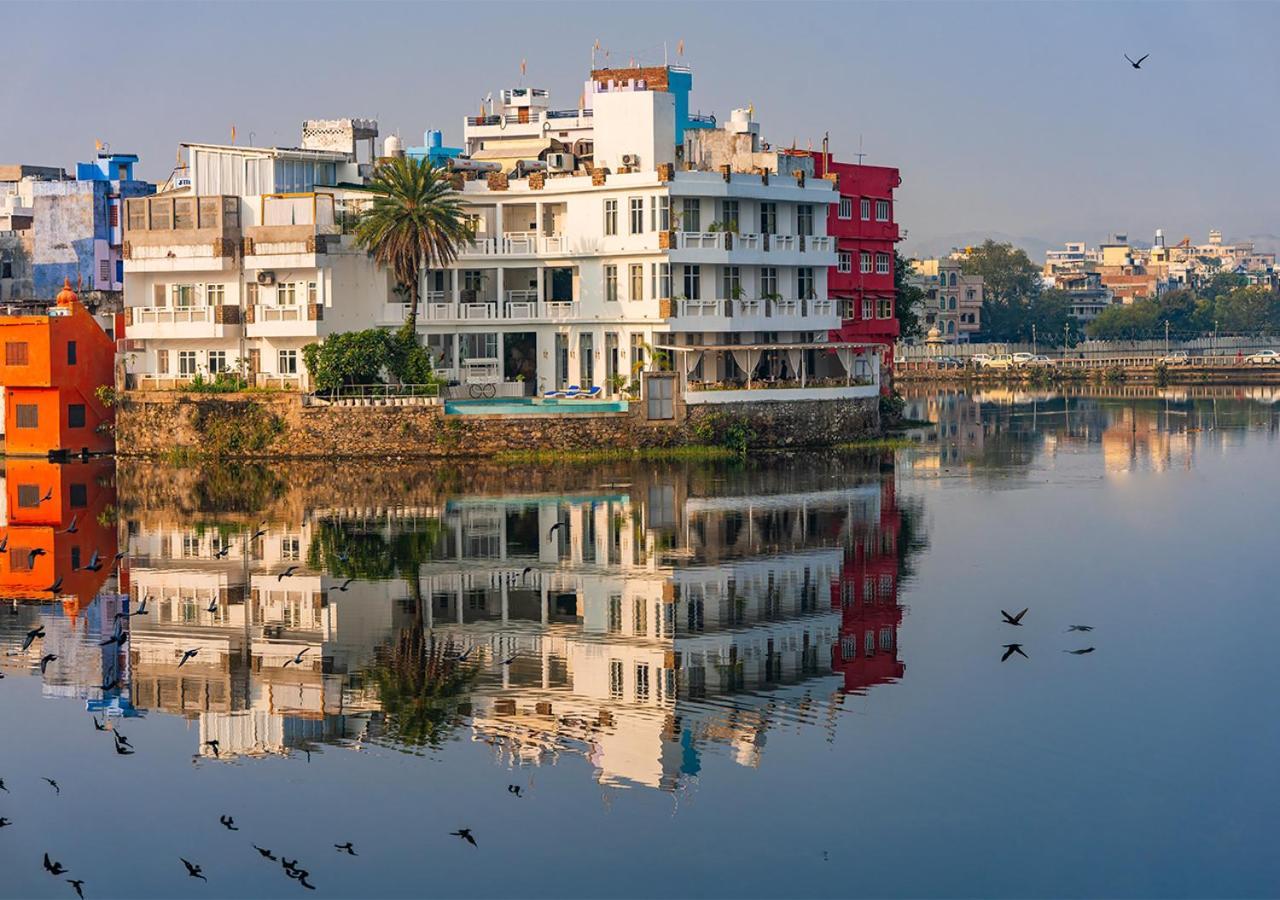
355,357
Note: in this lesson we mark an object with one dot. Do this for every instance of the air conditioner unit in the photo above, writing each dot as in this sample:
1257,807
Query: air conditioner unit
560,162
267,278
631,160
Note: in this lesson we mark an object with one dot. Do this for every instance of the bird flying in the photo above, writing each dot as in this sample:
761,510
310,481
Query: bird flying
45,660
56,586
1080,652
213,745
213,606
186,655
1080,628
78,884
1138,64
346,584
297,660
1013,620
53,868
73,527
346,848
94,563
266,854
552,530
193,870
32,635
1010,649
53,784
31,557
287,573
466,835
228,823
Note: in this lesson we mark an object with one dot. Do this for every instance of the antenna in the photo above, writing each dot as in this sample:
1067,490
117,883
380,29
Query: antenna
860,154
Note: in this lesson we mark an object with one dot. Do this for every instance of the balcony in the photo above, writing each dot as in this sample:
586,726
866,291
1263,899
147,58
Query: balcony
716,246
775,314
522,306
269,320
181,322
516,243
292,224
181,233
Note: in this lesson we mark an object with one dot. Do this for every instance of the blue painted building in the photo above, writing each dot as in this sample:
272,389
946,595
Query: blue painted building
77,228
432,149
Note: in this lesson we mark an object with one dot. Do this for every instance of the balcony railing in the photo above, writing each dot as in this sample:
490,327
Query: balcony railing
172,315
784,243
754,307
515,243
518,305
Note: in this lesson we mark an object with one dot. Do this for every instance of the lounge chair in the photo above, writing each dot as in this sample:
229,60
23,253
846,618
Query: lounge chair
572,391
553,395
593,391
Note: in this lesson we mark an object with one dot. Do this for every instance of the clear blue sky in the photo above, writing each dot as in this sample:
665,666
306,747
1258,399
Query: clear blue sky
1017,118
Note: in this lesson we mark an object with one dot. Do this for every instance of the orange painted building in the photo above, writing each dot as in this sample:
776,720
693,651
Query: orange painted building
62,511
53,364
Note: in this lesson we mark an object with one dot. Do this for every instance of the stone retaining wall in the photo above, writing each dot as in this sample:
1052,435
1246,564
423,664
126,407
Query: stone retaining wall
279,426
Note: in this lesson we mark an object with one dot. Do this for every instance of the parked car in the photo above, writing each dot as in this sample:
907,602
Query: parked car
1263,358
1003,361
1021,359
1039,360
1176,358
979,360
946,362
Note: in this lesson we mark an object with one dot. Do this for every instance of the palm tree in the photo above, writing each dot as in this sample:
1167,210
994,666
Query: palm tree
414,220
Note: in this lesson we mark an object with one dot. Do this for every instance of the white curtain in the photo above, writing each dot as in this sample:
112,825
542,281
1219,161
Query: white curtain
794,357
691,360
845,355
745,363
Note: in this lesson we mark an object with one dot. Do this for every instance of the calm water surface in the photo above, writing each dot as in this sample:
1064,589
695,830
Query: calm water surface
781,677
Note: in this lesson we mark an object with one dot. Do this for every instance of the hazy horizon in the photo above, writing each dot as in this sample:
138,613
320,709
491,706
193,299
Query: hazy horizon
1022,121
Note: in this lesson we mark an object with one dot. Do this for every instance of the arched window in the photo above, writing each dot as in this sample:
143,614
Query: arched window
6,264
953,279
951,327
953,302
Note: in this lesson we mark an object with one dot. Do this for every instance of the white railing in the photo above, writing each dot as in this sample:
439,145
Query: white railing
520,242
754,307
480,310
522,296
554,243
701,240
172,315
561,309
749,307
700,307
746,242
439,310
820,244
782,242
434,296
520,309
515,243
786,307
278,313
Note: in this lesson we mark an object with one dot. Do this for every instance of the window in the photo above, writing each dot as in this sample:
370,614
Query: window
953,279
75,415
639,622
215,294
868,308
611,283
661,213
312,294
636,205
969,294
251,293
768,217
768,281
693,282
162,362
586,360
804,219
730,282
291,549
27,415
864,263
636,273
804,283
615,679
642,681
71,353
75,558
884,308
729,215
479,345
287,294
184,295
186,362
865,209
882,210
660,280
28,496
217,361
615,614
952,303
15,353
562,360
844,262
690,214
440,345
6,265
610,217
882,264
846,208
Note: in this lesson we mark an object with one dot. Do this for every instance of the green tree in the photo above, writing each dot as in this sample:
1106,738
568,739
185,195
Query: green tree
908,298
355,357
414,220
1049,311
1249,309
1010,284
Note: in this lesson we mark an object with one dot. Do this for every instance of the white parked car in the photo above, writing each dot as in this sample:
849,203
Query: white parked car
1003,361
1039,360
1021,359
1263,358
1176,358
980,360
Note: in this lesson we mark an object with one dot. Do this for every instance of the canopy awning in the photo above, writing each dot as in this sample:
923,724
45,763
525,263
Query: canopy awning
508,153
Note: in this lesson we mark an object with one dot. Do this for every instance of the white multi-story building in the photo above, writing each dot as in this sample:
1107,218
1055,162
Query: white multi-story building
600,247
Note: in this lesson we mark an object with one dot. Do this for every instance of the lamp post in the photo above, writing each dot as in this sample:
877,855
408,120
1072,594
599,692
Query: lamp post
1166,337
1033,338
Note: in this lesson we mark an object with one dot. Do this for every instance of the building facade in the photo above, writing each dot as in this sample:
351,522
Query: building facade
952,300
862,224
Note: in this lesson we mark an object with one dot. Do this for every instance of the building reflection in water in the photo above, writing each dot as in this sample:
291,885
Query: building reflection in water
640,622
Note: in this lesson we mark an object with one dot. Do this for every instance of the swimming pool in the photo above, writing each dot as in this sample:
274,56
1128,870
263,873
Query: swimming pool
523,406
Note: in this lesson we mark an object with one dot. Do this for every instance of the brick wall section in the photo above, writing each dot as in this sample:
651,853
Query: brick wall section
278,426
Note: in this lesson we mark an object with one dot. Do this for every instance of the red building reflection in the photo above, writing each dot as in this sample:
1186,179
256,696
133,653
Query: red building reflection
867,596
63,513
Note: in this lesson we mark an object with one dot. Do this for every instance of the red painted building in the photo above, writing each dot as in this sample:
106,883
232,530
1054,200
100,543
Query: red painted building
867,597
865,232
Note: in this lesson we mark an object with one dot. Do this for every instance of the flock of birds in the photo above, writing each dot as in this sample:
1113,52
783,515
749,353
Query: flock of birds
1015,648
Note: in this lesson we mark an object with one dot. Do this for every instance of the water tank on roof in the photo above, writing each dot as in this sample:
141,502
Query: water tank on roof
433,138
392,146
740,122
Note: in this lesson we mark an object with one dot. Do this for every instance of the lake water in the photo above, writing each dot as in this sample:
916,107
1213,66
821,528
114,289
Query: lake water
780,677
